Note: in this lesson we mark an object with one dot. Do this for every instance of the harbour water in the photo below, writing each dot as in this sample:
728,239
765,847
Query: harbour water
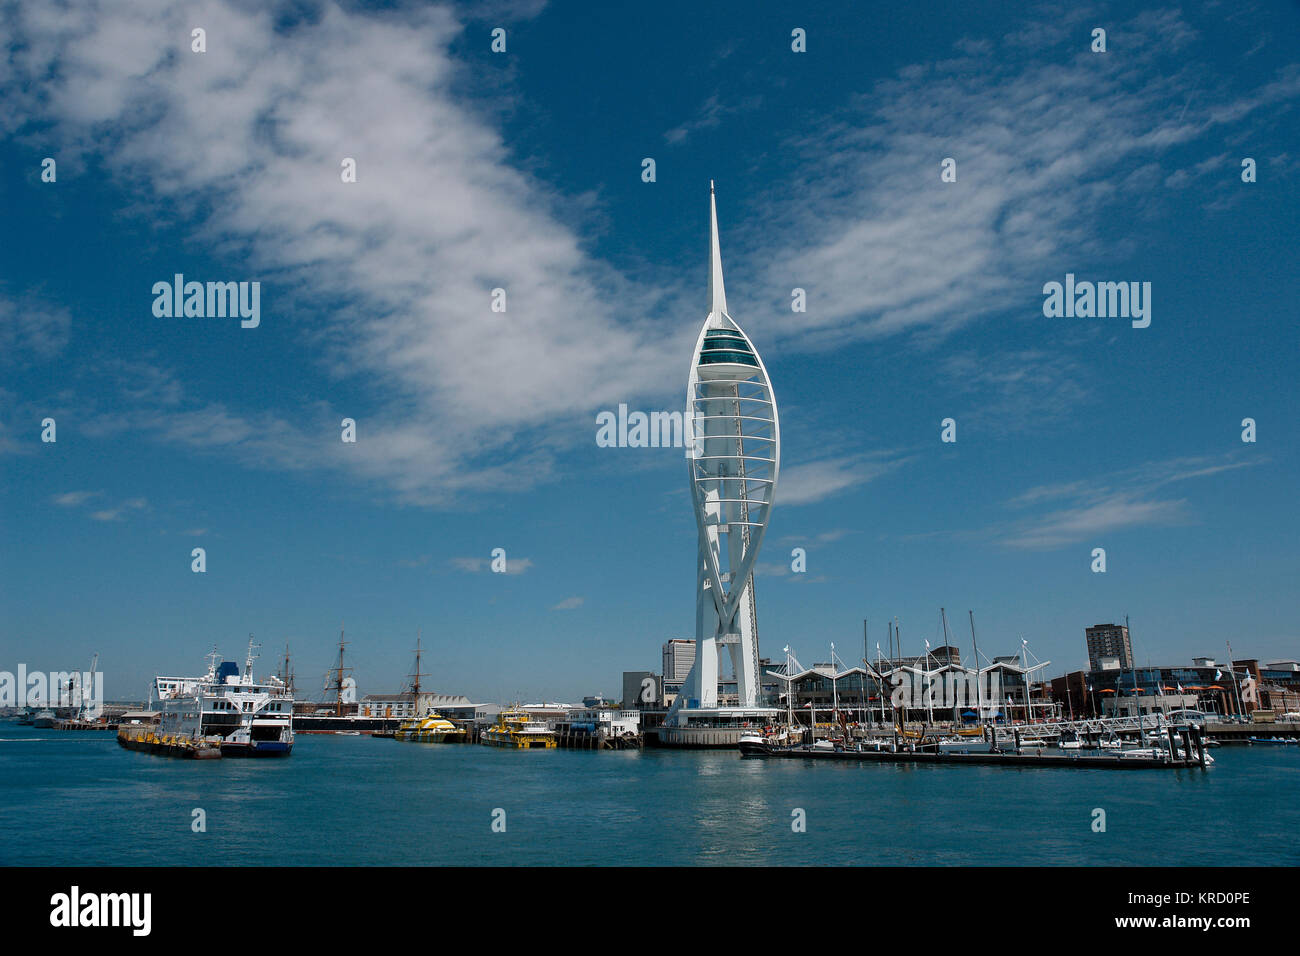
76,798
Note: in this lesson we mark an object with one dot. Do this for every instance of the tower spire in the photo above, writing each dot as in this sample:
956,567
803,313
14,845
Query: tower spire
717,293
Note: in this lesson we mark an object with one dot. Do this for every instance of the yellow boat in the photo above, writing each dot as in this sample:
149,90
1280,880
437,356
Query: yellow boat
433,729
516,729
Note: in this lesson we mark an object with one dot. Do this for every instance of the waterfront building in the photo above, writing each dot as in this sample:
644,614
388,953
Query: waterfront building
408,704
546,713
733,463
1110,689
943,692
1283,671
607,722
679,657
1277,686
1070,692
1108,640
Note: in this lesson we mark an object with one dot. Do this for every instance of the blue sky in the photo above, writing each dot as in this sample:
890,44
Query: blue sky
476,430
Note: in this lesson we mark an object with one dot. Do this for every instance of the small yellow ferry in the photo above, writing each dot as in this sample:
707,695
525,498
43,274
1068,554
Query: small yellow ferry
433,729
517,729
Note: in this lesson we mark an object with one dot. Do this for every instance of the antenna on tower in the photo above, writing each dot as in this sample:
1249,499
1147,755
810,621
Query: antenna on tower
717,292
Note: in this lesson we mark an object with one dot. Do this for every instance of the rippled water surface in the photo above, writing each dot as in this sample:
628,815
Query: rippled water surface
79,799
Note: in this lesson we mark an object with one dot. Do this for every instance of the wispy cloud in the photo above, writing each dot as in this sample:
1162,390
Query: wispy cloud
1084,510
245,144
1019,390
120,511
711,114
31,326
821,537
568,604
1048,139
242,145
74,499
813,481
475,565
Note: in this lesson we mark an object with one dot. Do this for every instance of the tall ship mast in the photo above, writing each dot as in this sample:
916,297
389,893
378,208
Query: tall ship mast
339,711
414,682
286,671
337,674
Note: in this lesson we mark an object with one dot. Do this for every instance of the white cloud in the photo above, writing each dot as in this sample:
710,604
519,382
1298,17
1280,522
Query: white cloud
31,325
392,274
809,482
1020,389
117,513
475,565
1082,511
387,281
710,115
568,604
1048,138
73,499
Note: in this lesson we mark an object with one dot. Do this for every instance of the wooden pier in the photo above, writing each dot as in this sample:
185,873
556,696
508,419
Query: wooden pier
574,739
74,723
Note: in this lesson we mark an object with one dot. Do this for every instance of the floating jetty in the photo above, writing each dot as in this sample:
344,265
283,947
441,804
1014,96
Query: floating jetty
77,723
1036,759
1184,749
1248,733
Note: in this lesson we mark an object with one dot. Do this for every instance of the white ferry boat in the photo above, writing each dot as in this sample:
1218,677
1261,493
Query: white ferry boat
226,710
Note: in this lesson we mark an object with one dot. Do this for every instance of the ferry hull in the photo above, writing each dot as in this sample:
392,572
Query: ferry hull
258,748
347,724
537,742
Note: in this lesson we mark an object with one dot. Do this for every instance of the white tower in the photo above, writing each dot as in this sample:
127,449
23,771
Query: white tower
733,469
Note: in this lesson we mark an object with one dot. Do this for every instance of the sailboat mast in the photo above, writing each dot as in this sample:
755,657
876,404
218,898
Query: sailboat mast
898,639
862,682
979,691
